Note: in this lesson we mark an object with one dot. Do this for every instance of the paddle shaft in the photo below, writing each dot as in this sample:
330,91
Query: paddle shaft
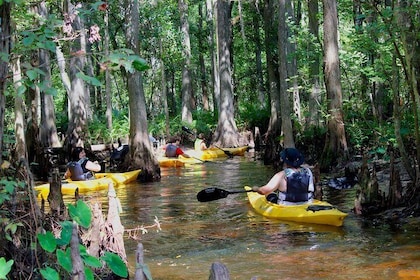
210,194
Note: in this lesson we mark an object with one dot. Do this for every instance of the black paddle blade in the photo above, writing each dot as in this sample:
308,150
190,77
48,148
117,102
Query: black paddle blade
211,194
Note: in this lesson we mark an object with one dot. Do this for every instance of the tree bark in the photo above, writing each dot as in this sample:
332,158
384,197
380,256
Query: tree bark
4,67
141,151
211,15
108,93
78,103
20,127
226,134
48,129
203,76
270,42
314,101
187,91
285,103
261,94
335,149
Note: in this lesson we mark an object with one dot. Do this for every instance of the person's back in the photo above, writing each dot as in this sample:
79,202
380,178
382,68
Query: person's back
80,168
77,170
300,186
200,143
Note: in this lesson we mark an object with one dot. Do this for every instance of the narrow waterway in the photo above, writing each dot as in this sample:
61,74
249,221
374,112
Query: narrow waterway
194,234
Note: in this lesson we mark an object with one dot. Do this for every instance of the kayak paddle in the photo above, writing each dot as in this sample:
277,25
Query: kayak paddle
187,130
229,154
211,194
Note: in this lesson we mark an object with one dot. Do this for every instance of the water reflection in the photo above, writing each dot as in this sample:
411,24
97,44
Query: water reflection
194,234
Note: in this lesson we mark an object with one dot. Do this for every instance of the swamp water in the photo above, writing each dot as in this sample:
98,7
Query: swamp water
194,234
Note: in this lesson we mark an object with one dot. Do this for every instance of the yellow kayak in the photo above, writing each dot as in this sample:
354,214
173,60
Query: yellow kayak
239,151
177,162
170,162
217,153
102,181
318,212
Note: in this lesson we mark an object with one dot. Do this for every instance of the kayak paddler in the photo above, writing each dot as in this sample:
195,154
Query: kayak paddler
293,185
80,168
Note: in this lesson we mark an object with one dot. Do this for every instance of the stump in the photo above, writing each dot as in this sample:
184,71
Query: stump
55,197
219,271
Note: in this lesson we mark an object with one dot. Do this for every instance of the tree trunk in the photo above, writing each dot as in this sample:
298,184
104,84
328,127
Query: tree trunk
292,71
78,122
274,125
187,92
211,7
20,122
4,67
314,101
411,66
108,93
261,95
48,130
164,91
335,149
226,134
141,151
285,103
203,76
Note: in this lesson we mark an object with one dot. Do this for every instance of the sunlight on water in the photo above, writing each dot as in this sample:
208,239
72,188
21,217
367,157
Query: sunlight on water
194,234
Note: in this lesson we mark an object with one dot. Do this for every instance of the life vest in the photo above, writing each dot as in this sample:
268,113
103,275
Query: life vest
300,186
170,150
78,170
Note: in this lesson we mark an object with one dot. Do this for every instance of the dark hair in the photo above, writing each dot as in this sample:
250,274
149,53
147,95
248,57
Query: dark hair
293,157
174,139
75,153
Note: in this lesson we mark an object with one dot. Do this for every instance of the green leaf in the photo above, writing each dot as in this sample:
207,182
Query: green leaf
140,64
88,259
80,213
29,39
47,241
66,231
49,273
92,261
33,73
49,45
64,259
89,274
21,90
90,80
9,186
12,227
116,264
5,267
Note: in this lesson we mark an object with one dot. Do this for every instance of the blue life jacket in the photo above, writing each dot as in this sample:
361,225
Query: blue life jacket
170,150
78,170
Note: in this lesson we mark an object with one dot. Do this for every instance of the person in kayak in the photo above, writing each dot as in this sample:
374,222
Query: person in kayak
294,184
80,168
173,150
200,143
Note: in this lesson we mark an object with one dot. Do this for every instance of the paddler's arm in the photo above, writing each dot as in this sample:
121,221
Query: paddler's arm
277,182
93,166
